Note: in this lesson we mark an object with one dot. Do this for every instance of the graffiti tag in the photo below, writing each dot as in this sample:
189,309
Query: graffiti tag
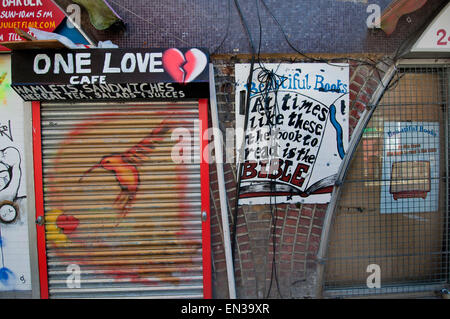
5,130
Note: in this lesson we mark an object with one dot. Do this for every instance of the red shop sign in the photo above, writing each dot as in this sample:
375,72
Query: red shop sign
24,14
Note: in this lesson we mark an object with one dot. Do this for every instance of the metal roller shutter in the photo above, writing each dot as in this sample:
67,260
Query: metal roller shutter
122,219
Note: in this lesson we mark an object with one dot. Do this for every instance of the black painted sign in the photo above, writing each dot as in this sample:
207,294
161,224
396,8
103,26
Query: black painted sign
110,74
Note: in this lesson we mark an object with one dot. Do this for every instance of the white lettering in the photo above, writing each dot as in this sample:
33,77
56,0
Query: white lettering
142,62
73,281
66,66
154,63
374,279
374,18
194,309
74,17
106,65
88,80
26,3
81,63
38,58
83,59
8,3
129,61
128,58
182,150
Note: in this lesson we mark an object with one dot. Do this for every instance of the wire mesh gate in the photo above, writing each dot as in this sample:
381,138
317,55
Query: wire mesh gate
390,233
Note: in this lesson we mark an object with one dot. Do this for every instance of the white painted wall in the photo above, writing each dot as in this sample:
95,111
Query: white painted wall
14,237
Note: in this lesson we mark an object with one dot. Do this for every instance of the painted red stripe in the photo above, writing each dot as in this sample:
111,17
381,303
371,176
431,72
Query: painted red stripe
39,198
204,176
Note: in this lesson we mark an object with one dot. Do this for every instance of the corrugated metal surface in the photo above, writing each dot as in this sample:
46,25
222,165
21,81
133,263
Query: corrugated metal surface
121,218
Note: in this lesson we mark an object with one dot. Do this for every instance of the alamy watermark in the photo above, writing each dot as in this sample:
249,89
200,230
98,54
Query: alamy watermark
73,15
73,280
374,279
373,21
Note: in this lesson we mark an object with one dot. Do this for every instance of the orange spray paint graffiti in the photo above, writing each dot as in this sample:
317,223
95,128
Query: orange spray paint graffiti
124,166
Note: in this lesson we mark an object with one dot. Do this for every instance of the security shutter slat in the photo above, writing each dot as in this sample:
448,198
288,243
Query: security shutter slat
150,248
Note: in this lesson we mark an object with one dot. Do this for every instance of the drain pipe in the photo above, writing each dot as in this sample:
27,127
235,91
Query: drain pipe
221,180
330,213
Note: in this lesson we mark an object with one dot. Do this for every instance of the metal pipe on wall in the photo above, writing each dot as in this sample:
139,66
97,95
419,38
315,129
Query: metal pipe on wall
221,180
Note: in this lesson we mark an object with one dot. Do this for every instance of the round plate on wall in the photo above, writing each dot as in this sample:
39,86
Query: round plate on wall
8,212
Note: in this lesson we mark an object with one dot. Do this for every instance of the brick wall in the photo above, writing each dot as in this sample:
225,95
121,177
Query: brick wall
298,227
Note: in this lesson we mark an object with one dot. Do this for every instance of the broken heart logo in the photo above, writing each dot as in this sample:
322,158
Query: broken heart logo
184,68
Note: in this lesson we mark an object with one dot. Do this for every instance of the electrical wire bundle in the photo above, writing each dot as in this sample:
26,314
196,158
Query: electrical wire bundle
271,82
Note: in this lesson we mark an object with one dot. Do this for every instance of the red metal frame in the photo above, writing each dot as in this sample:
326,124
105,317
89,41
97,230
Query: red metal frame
205,206
39,198
204,181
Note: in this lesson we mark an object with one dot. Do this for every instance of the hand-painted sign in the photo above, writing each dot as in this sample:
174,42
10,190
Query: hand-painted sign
24,14
436,38
110,74
296,134
410,167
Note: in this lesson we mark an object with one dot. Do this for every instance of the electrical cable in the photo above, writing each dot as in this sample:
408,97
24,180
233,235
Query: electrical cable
149,22
271,82
246,113
359,61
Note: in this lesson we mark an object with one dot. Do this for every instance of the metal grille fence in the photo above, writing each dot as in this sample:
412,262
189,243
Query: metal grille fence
390,232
